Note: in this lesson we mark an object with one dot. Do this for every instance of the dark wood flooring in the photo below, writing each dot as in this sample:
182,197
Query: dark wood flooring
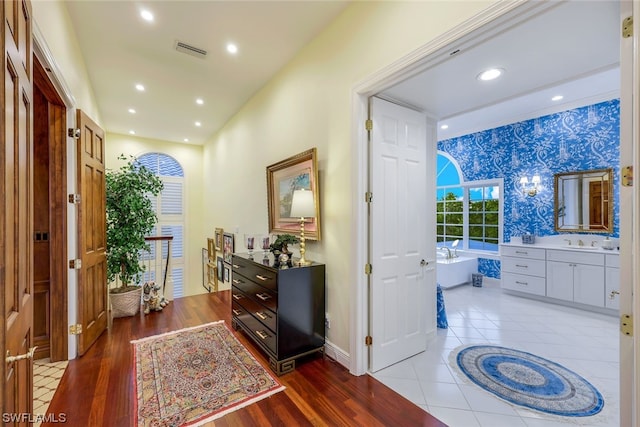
97,389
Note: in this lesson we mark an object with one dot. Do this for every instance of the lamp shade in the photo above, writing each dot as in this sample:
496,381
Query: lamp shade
302,205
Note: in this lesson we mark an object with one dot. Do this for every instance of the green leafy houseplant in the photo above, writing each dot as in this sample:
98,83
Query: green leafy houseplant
281,243
130,217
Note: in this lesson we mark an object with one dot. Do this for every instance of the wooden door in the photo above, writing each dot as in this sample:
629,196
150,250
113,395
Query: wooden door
403,279
92,237
16,213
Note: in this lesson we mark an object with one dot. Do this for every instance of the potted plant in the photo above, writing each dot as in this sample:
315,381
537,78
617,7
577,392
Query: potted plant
130,218
280,249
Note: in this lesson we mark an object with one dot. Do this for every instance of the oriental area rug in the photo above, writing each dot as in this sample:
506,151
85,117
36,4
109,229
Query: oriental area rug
528,380
195,375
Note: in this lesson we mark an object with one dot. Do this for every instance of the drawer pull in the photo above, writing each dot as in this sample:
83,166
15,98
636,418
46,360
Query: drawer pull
263,297
237,297
261,315
236,281
522,266
262,277
262,334
522,252
235,265
236,312
522,283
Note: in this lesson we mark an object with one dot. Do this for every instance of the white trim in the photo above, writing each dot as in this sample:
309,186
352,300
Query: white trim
336,353
399,70
43,53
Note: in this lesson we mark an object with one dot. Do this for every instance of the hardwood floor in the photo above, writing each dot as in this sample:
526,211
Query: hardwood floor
97,388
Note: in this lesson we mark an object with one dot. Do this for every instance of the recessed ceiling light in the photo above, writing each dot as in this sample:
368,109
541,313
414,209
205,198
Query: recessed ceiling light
444,127
132,132
132,111
198,124
140,87
186,140
490,74
232,48
199,101
557,98
146,15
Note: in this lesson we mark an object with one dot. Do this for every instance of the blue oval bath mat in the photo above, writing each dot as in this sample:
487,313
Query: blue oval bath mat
530,381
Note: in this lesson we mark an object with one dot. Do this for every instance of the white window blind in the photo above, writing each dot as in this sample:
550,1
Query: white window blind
169,207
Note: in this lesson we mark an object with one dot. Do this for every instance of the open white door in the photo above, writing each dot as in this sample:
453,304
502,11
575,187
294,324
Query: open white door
629,218
402,244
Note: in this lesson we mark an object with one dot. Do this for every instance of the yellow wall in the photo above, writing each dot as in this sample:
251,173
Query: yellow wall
307,105
52,20
197,227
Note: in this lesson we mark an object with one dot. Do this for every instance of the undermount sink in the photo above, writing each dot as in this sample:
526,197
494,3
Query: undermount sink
582,248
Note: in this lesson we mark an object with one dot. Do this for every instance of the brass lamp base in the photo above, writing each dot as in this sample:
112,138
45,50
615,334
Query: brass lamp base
302,261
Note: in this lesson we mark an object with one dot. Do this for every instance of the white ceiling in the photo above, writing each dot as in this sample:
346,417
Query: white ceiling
121,49
571,48
567,48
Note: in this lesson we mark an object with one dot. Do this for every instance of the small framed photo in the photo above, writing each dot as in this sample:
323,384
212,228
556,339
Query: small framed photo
226,274
220,265
228,247
218,238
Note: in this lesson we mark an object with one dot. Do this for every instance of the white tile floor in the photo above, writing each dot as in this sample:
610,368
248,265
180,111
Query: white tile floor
582,341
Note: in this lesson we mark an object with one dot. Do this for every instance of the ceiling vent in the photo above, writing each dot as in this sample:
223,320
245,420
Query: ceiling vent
190,50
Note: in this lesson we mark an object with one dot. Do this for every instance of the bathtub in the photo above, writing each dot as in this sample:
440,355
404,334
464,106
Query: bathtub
455,271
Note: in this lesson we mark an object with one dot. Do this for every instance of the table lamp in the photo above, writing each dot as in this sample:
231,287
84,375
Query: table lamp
303,206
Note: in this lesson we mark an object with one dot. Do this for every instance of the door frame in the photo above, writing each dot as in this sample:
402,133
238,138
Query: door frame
65,285
387,77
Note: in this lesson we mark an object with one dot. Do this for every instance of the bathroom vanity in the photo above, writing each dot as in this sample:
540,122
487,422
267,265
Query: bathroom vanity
581,276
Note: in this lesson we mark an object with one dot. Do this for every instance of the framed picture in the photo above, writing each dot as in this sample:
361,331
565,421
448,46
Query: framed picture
205,261
227,247
218,238
226,274
220,265
283,178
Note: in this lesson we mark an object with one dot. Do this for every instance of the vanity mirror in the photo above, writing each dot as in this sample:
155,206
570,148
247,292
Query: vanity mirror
584,201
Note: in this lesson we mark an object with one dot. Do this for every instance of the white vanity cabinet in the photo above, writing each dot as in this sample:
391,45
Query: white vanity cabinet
580,278
576,276
612,281
523,269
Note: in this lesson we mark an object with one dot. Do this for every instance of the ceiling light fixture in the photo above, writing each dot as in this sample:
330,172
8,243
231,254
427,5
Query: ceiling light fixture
146,15
490,74
140,87
186,140
557,98
132,111
444,127
198,124
199,101
132,132
232,48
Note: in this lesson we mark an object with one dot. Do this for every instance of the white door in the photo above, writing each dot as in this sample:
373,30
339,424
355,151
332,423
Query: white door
402,233
629,218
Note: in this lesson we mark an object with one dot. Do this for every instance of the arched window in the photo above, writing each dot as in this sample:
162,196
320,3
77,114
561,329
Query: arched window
467,211
169,207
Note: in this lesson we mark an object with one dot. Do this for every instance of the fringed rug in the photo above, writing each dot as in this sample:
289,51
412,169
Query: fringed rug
195,375
531,381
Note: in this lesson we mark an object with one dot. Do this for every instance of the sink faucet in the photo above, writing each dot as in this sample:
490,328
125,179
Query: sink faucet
568,241
580,242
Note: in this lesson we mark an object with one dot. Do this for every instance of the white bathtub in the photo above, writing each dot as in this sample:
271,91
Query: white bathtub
455,271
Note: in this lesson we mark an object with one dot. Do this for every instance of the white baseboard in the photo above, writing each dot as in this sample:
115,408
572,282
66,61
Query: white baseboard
337,354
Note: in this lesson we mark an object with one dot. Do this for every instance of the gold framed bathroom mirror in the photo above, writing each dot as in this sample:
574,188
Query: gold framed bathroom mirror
584,201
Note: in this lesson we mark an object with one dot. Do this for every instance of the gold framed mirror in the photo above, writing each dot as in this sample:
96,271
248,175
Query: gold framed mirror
583,201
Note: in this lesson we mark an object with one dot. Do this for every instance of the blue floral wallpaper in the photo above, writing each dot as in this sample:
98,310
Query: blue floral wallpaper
573,140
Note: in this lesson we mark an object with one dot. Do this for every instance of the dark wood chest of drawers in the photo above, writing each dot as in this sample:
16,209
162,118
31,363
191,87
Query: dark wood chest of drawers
281,309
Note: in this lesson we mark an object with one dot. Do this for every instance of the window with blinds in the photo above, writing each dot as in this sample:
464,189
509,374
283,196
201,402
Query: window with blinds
169,206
